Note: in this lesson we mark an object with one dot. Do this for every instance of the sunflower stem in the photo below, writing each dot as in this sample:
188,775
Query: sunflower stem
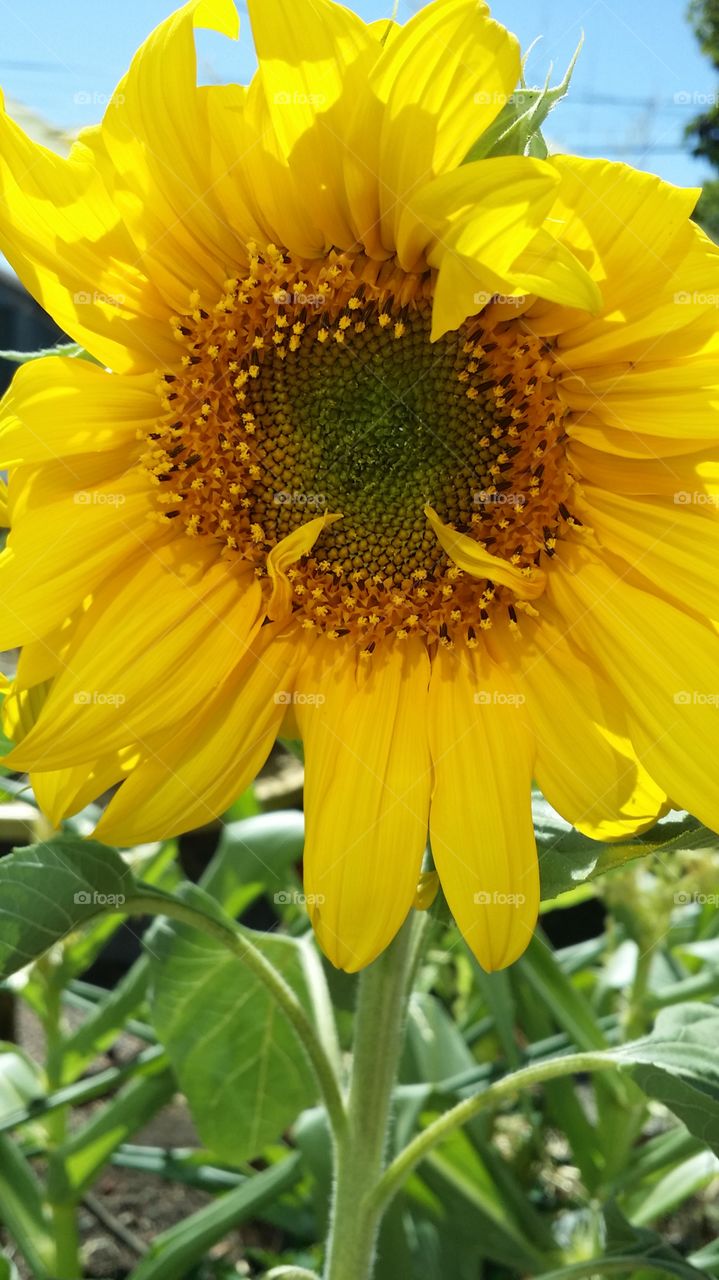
394,1177
384,989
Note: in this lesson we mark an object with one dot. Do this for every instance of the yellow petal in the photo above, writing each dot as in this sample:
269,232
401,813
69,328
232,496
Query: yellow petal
153,644
194,775
306,53
287,552
67,791
367,782
469,556
4,510
481,828
487,212
59,551
674,544
549,269
664,664
439,82
61,231
670,399
156,138
586,765
57,407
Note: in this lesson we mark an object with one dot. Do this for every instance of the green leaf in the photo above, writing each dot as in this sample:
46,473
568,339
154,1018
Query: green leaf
74,1166
465,1188
235,1055
517,129
102,1026
255,856
568,859
20,1080
678,1064
22,1210
629,1248
49,889
8,1270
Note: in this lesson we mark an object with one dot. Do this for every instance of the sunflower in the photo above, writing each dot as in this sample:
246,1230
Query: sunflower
409,455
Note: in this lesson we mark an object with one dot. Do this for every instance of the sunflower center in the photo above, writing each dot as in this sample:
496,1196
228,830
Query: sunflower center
313,388
374,426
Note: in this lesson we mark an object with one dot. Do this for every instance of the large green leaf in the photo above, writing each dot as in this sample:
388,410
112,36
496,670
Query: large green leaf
678,1064
236,1057
49,889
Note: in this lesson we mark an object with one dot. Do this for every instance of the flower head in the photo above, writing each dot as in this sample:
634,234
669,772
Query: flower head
383,449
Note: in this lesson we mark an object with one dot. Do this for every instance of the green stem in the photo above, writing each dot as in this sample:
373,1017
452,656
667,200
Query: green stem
401,1167
237,941
379,1032
637,1014
64,1215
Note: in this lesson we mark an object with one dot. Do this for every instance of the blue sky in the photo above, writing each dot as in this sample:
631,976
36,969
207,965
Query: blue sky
640,76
